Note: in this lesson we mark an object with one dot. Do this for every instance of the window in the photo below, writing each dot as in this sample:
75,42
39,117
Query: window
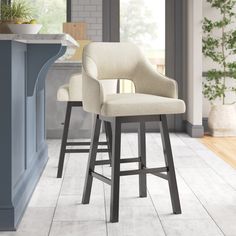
143,22
51,14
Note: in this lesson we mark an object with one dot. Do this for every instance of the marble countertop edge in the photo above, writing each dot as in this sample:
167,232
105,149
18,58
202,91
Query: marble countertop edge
64,39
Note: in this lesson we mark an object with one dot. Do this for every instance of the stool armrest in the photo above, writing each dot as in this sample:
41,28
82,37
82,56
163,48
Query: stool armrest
148,81
75,87
92,93
63,93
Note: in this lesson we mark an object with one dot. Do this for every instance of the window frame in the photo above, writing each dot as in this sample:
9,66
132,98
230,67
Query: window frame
111,20
68,11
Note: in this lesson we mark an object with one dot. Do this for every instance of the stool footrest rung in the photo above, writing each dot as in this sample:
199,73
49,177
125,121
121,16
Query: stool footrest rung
101,177
102,162
83,143
125,160
76,150
144,171
130,160
85,150
103,150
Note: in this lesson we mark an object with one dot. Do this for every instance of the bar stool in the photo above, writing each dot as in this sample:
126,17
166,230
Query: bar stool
72,94
155,96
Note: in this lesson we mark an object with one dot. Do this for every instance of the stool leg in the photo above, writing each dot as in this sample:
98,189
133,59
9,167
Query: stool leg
170,164
115,169
142,155
91,160
64,140
108,132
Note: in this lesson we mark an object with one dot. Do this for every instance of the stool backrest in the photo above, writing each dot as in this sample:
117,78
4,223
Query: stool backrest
111,60
107,61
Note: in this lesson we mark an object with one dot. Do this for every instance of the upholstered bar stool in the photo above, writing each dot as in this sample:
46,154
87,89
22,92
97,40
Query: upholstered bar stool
155,97
72,94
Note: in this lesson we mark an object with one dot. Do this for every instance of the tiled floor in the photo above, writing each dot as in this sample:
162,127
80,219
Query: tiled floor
207,188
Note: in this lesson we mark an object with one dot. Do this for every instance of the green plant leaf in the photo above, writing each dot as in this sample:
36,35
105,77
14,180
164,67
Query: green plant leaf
220,49
18,9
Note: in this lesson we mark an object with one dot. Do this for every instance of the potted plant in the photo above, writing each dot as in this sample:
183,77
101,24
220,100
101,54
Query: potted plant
219,45
18,12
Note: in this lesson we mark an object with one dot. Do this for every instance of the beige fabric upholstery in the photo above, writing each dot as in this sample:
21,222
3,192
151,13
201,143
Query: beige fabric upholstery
102,61
131,104
71,91
63,94
75,87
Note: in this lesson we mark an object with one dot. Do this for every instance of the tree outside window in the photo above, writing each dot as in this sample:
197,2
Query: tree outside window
51,14
143,23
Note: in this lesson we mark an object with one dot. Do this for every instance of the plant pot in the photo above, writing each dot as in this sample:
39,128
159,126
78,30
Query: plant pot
222,120
4,28
24,28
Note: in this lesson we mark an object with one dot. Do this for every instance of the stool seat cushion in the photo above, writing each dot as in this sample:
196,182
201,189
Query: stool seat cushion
135,104
155,93
63,93
72,91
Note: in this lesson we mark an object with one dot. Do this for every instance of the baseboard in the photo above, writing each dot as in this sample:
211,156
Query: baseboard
205,124
7,219
195,131
10,217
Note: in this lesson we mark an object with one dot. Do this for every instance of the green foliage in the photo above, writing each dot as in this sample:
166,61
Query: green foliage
17,10
50,13
220,49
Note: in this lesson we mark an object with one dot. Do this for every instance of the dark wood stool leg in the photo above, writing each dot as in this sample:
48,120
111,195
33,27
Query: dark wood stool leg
142,155
64,140
170,164
115,175
108,132
91,160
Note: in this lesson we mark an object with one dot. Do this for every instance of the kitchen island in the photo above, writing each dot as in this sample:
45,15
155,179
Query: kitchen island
24,63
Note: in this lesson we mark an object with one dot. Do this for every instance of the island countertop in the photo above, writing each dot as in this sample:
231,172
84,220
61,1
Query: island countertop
64,39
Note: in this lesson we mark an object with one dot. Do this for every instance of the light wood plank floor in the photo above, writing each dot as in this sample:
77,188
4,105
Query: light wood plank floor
207,187
223,147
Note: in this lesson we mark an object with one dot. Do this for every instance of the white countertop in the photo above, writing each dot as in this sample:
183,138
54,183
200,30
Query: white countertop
64,39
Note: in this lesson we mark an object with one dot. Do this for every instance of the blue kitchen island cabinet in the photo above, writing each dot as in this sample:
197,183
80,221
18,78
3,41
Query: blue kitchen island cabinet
24,62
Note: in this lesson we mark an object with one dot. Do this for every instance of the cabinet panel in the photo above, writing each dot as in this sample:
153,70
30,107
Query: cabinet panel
31,128
40,118
18,110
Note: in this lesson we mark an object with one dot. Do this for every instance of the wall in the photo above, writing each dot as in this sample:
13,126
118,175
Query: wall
90,12
194,85
208,64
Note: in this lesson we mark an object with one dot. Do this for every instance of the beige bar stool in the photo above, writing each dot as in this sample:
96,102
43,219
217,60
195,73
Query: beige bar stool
155,97
72,94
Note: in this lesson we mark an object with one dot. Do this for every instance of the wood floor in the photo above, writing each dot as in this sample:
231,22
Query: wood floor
207,187
223,147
